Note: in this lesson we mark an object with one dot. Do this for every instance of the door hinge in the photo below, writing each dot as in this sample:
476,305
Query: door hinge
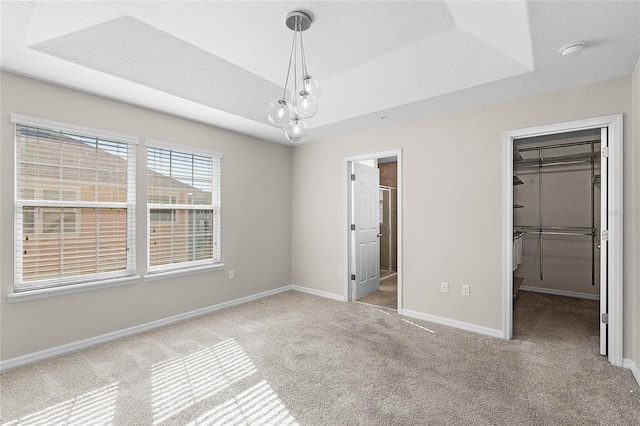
605,318
353,177
353,226
353,277
605,151
605,235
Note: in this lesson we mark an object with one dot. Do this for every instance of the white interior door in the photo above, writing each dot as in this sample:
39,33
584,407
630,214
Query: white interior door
366,198
604,243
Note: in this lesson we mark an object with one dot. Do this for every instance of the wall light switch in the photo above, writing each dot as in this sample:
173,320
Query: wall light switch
340,271
465,290
444,287
232,274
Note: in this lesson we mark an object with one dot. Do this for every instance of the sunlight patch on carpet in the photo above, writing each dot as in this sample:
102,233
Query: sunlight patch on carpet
416,325
258,405
97,407
179,383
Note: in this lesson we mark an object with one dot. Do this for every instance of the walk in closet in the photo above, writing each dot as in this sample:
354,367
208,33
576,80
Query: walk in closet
556,216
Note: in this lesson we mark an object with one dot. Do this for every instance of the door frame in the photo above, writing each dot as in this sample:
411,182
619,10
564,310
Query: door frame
346,214
614,124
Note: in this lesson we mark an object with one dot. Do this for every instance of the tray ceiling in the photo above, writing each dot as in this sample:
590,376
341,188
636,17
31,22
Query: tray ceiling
222,63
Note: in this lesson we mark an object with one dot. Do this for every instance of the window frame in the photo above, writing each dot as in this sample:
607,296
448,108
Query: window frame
32,289
215,262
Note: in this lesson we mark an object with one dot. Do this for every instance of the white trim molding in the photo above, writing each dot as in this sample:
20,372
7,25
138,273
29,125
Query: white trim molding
628,363
453,323
92,341
26,120
561,293
320,293
25,295
614,124
183,271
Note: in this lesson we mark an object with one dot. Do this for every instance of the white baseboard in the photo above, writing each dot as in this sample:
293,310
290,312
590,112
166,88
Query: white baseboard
92,341
320,293
453,323
561,292
628,363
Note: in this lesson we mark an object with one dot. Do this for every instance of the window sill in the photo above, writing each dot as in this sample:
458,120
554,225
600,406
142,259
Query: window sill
68,289
182,272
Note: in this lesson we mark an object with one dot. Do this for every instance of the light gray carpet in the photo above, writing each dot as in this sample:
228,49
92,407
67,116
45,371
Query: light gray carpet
387,296
300,359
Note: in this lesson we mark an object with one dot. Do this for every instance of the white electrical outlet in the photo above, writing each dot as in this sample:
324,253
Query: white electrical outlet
444,287
232,274
465,290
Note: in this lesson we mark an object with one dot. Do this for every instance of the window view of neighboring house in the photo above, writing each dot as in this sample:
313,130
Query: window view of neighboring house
183,208
74,204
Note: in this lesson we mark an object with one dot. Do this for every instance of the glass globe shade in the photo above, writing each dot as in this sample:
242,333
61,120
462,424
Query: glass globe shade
296,130
310,85
280,112
306,105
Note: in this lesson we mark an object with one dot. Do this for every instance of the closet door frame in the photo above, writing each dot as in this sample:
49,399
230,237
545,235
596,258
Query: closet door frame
614,124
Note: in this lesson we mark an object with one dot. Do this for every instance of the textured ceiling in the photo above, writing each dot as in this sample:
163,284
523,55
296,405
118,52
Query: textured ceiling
222,63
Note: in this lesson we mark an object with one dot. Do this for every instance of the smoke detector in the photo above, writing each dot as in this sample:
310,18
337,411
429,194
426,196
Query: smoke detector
572,49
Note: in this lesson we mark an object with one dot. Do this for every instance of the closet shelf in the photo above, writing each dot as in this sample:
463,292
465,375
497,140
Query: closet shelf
516,154
586,157
517,181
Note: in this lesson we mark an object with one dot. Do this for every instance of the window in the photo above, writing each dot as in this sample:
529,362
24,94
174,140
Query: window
75,204
183,206
161,215
28,220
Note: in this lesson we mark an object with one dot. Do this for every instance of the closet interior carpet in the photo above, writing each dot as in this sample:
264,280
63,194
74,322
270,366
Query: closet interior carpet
294,358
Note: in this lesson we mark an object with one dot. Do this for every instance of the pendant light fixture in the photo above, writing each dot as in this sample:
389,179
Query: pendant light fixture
303,103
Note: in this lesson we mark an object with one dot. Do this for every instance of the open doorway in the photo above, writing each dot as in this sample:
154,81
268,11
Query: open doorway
386,296
374,222
585,158
556,238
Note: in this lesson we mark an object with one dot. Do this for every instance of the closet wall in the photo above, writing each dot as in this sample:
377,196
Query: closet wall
566,260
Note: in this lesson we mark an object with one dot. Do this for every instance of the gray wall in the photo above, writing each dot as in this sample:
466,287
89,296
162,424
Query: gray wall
256,231
452,211
453,186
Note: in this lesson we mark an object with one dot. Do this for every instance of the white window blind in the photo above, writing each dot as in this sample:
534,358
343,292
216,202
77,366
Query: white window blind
75,205
183,208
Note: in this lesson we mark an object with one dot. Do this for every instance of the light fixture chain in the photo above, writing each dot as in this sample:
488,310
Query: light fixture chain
286,82
294,98
304,60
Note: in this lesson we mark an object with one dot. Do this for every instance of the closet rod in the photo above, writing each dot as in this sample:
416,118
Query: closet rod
557,145
558,233
560,163
556,230
559,159
553,228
